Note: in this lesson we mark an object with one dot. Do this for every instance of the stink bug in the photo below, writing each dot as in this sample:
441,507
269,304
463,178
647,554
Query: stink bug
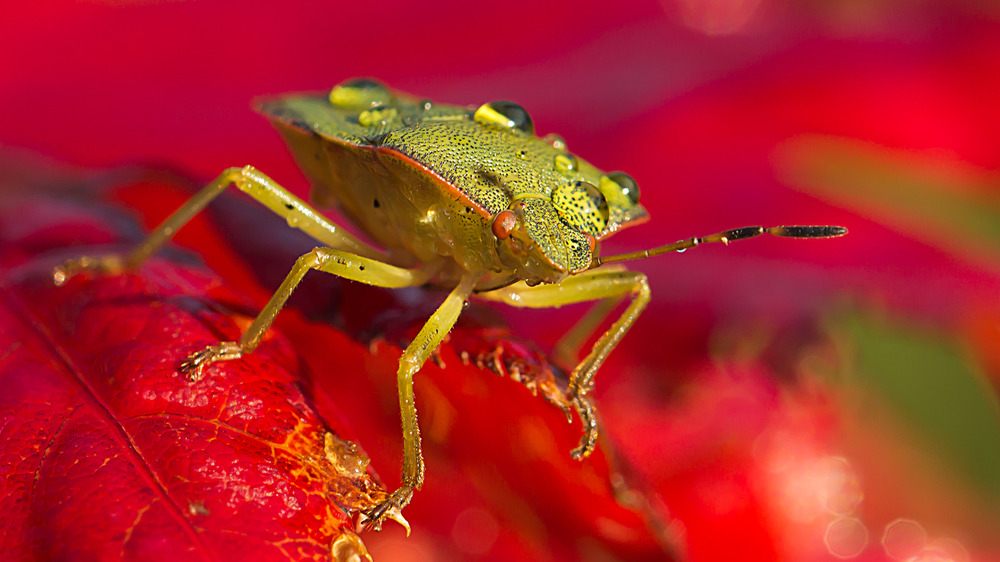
464,198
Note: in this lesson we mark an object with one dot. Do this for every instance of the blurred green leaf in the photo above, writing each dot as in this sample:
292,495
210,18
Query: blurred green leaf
929,381
941,201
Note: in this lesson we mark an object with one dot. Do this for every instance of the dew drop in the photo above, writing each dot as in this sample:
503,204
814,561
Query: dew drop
626,184
556,141
505,114
359,93
566,163
582,206
378,115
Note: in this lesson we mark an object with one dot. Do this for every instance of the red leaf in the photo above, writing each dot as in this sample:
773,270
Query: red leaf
119,455
110,453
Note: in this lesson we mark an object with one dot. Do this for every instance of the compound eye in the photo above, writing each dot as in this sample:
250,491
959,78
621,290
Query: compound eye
360,93
504,223
626,185
506,115
582,206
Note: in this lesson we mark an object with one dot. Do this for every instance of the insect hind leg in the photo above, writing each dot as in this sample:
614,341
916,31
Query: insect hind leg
296,212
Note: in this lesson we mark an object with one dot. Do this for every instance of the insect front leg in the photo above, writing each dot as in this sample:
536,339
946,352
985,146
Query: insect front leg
567,349
413,358
248,179
611,285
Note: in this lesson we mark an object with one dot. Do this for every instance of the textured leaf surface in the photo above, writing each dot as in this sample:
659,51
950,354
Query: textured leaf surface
118,455
109,452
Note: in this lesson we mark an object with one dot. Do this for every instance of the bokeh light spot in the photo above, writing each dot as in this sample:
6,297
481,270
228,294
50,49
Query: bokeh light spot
827,484
904,539
841,491
474,531
951,548
718,17
931,555
846,537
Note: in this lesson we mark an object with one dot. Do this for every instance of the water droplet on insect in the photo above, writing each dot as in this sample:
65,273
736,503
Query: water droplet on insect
505,114
626,184
556,141
426,105
682,250
378,115
359,93
566,163
292,220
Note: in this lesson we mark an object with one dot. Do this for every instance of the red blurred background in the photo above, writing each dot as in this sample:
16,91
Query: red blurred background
786,400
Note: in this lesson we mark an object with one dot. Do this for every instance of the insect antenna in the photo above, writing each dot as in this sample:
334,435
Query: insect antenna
726,237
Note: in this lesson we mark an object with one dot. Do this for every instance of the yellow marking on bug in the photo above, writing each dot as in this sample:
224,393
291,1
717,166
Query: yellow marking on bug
582,206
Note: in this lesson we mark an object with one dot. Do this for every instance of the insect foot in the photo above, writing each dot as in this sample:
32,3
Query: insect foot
109,265
588,416
390,508
195,363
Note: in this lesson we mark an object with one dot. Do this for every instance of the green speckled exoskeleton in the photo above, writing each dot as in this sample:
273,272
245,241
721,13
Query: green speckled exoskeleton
462,198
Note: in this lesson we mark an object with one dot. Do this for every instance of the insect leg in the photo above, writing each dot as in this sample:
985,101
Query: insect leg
252,182
413,358
329,260
567,349
589,286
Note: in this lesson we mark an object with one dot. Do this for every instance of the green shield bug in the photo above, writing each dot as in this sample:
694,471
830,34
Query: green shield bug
463,198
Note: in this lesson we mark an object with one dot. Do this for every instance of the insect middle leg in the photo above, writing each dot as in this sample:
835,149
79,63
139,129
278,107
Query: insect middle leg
329,260
252,182
413,358
611,285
